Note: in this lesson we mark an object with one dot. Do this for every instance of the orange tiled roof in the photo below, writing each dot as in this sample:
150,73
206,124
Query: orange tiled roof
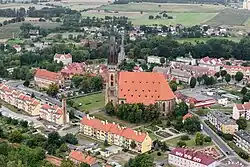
143,87
63,56
79,156
188,115
45,74
114,129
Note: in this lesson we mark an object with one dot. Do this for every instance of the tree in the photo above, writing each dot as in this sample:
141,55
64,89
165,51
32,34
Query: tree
58,20
149,17
199,79
162,60
70,138
26,83
192,82
181,109
106,143
238,76
185,137
110,109
228,78
84,165
199,139
173,86
242,123
15,137
223,73
67,163
217,74
133,145
53,90
181,144
207,139
243,155
141,160
192,125
243,90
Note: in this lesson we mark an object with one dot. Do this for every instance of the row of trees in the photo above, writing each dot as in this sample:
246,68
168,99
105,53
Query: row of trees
14,20
170,49
134,113
88,83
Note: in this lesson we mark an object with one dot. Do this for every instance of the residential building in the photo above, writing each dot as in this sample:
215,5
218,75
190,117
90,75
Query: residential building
241,110
54,113
246,4
211,63
180,76
181,157
222,122
114,134
19,100
242,140
17,47
140,87
187,60
232,70
64,58
43,78
155,59
72,69
78,157
32,106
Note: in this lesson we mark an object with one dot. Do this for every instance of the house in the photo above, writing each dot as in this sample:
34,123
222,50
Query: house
64,58
43,78
241,110
140,87
188,115
155,59
222,122
54,113
242,140
78,157
17,47
232,70
181,157
72,69
187,60
211,63
114,134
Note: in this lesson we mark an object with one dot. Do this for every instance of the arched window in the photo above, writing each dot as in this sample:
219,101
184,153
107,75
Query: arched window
112,77
163,106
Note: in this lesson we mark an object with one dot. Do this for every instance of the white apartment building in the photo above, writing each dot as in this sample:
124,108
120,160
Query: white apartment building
242,140
187,60
241,110
64,58
155,59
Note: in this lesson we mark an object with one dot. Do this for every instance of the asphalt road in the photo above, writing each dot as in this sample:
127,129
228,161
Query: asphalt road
222,145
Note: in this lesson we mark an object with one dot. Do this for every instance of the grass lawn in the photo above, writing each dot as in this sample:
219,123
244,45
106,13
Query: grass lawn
190,143
248,125
162,157
15,41
103,116
150,133
91,102
12,108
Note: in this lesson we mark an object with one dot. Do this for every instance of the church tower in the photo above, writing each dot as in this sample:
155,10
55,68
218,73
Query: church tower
111,85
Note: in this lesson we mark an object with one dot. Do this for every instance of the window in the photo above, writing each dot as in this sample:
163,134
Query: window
112,83
112,77
163,106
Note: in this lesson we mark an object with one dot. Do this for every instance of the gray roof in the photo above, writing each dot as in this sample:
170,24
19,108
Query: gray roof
223,118
244,135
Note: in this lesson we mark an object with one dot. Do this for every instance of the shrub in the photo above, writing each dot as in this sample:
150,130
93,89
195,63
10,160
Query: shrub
243,155
207,139
159,153
227,136
185,137
181,144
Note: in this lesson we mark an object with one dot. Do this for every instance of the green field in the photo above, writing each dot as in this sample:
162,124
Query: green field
169,7
190,143
91,102
187,19
10,30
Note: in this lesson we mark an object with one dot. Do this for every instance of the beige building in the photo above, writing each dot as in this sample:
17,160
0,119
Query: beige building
222,122
44,78
115,134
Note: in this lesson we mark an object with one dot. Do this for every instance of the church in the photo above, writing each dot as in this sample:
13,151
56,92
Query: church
136,87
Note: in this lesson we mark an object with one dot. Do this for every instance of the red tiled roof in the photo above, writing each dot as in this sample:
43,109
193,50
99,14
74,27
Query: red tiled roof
195,156
245,106
114,128
74,68
79,156
45,74
144,87
63,56
188,115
